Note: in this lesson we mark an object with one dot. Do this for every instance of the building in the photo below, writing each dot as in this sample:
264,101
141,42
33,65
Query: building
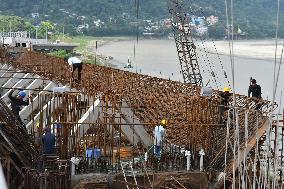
22,40
35,15
212,20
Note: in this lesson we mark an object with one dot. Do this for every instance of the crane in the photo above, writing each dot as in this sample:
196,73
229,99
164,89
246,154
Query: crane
184,43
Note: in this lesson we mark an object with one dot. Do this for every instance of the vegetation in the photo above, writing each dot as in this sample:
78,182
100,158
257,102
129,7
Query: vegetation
256,17
60,53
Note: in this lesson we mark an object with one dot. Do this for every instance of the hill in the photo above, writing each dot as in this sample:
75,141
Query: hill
118,17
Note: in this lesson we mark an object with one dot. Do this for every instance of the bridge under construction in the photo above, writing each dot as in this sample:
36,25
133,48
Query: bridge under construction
113,113
104,125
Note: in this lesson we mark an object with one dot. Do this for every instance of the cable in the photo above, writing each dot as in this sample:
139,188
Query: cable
221,63
224,72
211,66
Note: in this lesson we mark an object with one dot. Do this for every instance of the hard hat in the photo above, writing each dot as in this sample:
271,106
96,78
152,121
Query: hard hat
22,94
226,89
164,122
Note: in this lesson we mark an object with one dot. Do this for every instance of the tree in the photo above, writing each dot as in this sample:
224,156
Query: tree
45,29
216,31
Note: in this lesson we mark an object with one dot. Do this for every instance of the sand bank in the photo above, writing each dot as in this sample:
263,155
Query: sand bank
257,49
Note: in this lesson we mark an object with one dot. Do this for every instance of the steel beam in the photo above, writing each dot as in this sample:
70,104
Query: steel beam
5,76
20,84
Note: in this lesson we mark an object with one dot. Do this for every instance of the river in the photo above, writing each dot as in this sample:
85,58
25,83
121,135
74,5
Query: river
159,58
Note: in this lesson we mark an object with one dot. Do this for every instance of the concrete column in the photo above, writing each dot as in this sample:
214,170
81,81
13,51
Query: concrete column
128,131
139,133
129,117
37,117
90,116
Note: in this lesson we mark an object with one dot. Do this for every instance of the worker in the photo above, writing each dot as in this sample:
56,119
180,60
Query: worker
225,99
254,89
75,63
159,134
128,65
17,102
48,141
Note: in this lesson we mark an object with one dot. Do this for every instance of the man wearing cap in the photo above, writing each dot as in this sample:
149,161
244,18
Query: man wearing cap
254,89
17,102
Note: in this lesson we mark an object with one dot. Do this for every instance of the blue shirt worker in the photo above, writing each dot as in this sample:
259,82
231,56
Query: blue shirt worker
159,134
17,102
48,141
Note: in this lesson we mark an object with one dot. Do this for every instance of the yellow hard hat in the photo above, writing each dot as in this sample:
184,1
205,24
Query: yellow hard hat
226,89
164,122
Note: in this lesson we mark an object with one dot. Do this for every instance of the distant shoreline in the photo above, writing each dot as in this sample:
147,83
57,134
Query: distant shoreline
244,49
251,49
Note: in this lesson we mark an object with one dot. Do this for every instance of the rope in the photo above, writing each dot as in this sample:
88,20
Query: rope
276,44
226,151
231,47
211,66
218,56
256,156
238,140
137,7
245,154
212,73
278,73
275,83
221,63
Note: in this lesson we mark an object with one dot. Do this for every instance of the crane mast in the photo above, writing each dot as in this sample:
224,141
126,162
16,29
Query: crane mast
184,43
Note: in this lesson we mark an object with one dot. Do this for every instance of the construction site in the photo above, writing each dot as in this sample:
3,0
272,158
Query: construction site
104,127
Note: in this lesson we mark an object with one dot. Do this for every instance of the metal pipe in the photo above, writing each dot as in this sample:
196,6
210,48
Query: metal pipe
102,123
40,90
25,78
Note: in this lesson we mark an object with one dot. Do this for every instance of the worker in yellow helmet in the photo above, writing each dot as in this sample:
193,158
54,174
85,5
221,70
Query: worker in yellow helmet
225,100
159,134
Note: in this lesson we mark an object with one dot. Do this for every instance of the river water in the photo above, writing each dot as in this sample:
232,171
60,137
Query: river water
159,58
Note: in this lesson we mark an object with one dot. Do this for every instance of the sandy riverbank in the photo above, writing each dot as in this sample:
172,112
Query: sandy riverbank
257,49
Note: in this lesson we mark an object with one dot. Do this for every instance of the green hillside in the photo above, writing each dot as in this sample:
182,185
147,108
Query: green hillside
256,17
